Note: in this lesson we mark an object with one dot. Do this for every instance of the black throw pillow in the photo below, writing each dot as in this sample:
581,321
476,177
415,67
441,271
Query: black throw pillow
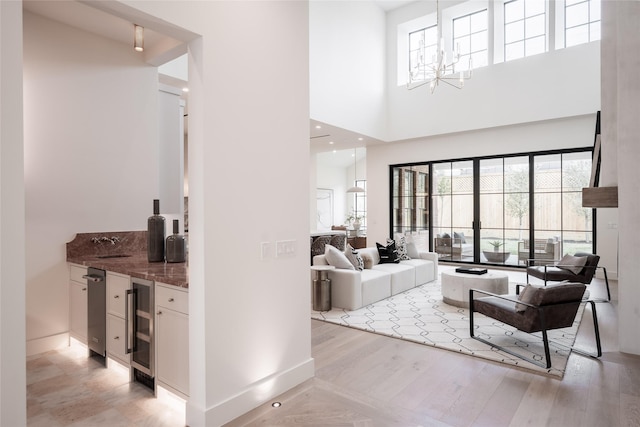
388,253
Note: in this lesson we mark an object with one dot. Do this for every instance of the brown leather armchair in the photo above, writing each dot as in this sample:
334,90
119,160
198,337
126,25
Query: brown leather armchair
559,272
536,309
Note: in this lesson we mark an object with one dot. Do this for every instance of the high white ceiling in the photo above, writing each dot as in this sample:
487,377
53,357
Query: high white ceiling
87,17
94,17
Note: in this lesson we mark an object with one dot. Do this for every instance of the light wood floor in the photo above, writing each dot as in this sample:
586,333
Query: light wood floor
363,379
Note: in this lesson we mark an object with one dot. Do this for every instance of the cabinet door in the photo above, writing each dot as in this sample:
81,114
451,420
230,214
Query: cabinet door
78,311
172,340
117,286
116,343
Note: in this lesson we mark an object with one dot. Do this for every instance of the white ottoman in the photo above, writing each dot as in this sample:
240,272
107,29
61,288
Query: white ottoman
455,286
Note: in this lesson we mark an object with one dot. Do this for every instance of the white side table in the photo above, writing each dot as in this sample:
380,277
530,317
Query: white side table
322,287
455,286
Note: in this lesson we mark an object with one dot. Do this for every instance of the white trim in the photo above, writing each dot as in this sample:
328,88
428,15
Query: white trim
253,396
44,344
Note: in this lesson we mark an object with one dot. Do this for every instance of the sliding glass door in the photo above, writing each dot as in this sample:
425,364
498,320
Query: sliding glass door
453,210
502,210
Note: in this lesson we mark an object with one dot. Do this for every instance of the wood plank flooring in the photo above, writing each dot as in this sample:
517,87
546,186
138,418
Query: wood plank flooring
363,380
368,380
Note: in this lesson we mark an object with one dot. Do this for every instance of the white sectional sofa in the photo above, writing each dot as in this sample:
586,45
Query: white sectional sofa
353,289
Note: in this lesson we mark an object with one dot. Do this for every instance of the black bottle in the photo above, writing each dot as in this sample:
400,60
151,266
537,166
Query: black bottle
176,245
155,234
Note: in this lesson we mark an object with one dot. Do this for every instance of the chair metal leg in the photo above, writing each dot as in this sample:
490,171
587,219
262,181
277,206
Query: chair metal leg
596,330
606,281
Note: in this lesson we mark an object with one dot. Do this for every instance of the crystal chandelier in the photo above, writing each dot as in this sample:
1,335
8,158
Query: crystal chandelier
438,70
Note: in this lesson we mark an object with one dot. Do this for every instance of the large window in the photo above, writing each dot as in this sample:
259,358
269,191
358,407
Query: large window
496,210
582,21
509,30
524,28
360,204
470,39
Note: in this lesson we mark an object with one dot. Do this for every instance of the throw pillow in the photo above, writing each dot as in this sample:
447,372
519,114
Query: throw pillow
572,263
368,261
388,253
354,258
338,241
336,258
460,236
401,248
318,244
526,295
412,250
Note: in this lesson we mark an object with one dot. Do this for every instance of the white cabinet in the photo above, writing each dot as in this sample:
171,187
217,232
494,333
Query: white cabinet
172,338
117,285
78,302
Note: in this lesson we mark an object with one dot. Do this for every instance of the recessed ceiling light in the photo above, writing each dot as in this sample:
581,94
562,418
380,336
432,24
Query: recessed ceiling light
330,142
334,151
276,404
318,127
360,139
185,89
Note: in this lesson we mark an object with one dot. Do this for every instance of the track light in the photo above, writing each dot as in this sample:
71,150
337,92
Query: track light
138,38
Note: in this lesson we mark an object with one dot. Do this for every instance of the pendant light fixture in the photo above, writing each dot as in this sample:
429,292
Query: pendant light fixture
355,189
138,38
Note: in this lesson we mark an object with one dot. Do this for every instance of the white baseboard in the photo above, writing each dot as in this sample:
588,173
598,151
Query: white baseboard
254,396
44,344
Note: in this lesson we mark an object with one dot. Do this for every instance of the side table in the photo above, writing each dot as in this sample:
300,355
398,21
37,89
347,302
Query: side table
322,287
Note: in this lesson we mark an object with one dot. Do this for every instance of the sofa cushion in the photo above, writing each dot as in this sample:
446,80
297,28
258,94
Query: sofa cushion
403,276
336,258
354,258
460,236
388,253
572,263
424,269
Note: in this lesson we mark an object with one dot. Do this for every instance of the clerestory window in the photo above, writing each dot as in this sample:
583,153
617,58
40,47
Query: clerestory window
581,21
470,37
524,28
423,47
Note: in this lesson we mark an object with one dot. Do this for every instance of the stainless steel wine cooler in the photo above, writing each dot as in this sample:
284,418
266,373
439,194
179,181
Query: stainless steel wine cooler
139,318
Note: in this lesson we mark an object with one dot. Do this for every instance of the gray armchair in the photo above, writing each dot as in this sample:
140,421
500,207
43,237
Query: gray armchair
536,309
560,272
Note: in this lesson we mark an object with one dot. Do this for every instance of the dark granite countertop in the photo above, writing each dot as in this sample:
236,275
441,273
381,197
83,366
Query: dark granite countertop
126,257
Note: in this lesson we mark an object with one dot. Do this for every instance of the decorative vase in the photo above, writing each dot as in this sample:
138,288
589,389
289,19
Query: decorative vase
155,234
356,225
176,245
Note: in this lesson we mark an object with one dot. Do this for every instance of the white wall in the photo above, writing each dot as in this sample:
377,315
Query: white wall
91,156
621,153
13,400
248,167
347,65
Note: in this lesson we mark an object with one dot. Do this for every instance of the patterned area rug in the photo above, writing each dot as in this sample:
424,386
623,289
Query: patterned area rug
420,315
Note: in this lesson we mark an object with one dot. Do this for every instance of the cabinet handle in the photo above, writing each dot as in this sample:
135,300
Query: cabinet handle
170,299
116,296
159,313
116,338
84,289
